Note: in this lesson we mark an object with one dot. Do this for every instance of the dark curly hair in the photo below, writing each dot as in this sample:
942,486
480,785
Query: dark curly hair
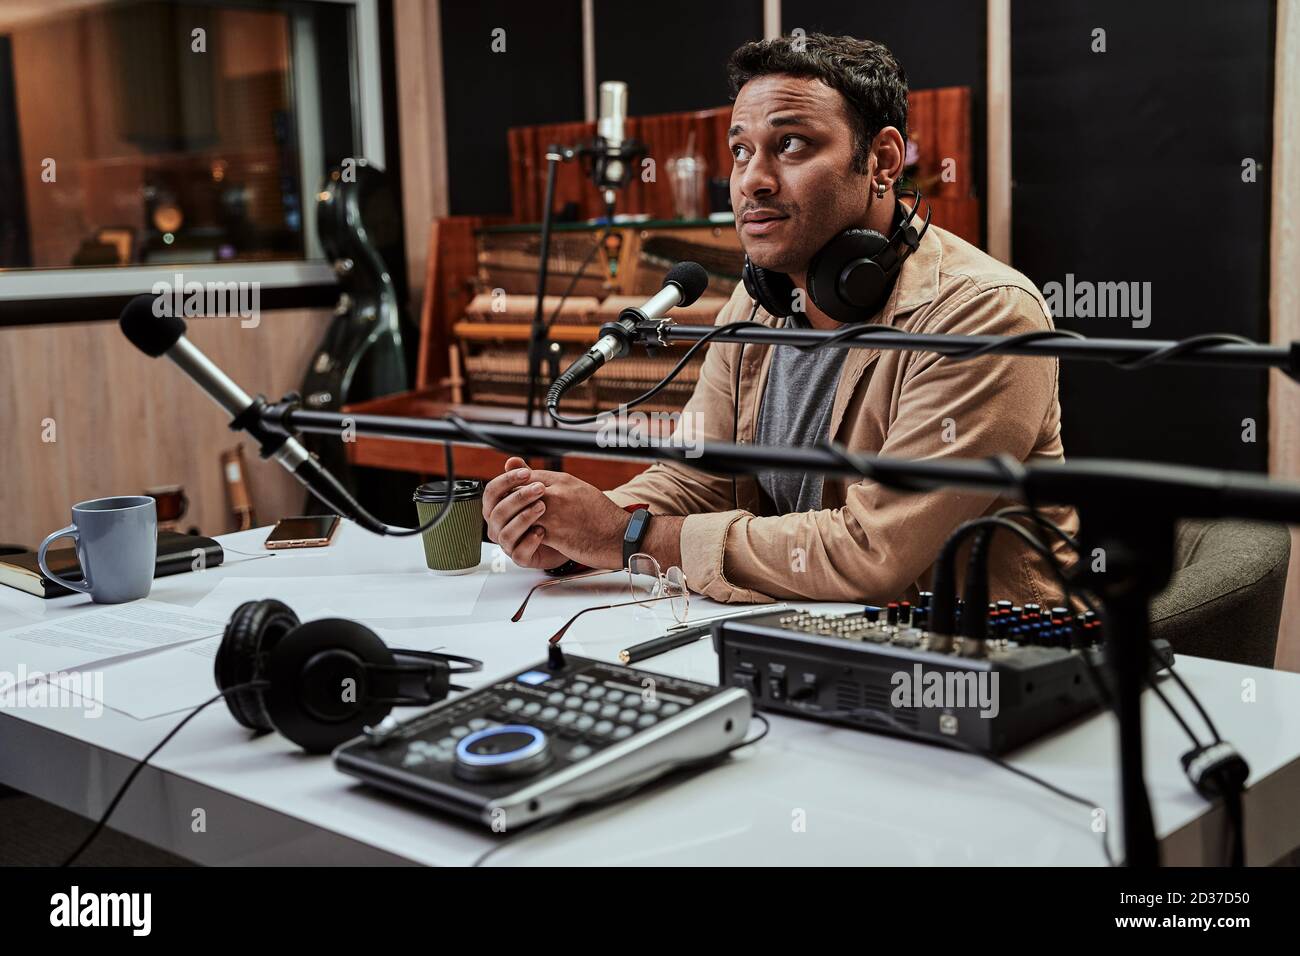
864,72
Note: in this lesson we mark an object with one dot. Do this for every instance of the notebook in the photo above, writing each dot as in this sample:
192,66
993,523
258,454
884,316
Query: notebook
176,555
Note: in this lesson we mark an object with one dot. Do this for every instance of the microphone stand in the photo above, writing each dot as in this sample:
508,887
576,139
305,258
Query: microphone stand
540,347
539,343
1127,511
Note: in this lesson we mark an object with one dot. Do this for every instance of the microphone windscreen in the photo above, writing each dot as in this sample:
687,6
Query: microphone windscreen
691,278
151,334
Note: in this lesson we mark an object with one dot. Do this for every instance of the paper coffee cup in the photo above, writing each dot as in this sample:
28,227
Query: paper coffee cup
455,544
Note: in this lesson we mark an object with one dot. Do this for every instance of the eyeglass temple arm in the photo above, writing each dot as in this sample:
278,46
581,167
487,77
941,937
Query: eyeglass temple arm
555,638
546,584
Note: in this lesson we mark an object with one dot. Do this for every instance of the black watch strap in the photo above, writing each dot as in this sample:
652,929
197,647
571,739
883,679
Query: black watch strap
636,531
565,569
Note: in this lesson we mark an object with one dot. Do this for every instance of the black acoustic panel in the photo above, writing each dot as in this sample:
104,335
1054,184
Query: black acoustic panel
672,53
1127,167
939,42
395,255
538,79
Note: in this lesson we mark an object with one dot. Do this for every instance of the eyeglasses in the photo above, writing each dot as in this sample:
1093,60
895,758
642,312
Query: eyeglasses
646,584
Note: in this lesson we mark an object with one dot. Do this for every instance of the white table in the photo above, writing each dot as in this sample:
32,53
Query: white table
808,794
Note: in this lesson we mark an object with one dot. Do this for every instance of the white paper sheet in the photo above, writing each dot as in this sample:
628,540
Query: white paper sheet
363,597
173,680
179,678
97,636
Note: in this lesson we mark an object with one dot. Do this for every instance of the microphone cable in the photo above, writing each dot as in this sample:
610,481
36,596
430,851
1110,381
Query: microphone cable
1059,573
573,283
659,386
1176,349
1232,795
903,730
369,521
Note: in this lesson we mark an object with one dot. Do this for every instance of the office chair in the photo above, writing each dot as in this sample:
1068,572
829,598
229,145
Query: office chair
1224,600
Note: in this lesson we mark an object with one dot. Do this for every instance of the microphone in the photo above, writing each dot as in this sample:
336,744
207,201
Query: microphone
610,169
156,335
611,154
684,283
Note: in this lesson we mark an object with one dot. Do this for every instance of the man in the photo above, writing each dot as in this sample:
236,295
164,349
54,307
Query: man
818,141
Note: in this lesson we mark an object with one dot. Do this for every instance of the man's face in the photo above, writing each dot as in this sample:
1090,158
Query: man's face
793,185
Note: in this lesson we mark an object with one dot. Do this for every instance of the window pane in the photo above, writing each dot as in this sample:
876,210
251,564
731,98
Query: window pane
164,132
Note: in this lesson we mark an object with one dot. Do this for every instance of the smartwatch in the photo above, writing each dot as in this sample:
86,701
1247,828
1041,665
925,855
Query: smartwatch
636,531
573,567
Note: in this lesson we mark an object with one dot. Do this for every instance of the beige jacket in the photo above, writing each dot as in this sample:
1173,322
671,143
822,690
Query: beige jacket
871,543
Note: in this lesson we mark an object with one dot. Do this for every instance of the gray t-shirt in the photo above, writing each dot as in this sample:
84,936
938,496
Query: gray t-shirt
796,410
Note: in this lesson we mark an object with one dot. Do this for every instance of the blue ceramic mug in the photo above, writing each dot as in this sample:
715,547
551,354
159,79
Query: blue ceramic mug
117,545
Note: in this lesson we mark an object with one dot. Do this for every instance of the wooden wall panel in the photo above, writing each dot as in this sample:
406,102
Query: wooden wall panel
422,127
124,422
1284,298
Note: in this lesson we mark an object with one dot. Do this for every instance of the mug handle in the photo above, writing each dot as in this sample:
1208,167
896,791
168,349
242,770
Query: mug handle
71,532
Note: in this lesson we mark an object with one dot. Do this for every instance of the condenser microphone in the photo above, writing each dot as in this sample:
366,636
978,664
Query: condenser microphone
156,335
613,112
610,168
684,283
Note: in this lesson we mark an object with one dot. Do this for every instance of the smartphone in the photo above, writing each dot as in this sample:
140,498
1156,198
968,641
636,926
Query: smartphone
311,531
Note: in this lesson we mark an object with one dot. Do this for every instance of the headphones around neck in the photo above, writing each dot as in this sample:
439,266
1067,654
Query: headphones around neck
849,278
325,681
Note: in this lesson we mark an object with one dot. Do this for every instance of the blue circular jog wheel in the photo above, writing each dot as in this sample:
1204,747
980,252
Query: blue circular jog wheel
499,753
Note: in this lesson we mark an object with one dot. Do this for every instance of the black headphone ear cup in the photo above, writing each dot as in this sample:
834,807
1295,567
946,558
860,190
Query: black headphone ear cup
253,631
750,281
774,291
844,279
319,696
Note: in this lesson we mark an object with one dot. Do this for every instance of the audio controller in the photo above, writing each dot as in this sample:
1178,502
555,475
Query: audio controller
879,669
565,732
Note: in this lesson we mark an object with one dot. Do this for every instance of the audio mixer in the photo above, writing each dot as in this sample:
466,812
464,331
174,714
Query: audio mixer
879,669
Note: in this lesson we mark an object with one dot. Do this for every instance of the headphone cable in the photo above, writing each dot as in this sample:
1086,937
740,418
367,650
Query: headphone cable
135,772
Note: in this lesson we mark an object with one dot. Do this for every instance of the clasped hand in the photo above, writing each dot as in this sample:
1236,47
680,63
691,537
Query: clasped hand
541,518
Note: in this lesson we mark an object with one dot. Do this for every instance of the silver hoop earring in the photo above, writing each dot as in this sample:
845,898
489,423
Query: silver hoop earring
881,189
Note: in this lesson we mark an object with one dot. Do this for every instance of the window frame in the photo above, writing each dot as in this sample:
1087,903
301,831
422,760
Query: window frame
78,288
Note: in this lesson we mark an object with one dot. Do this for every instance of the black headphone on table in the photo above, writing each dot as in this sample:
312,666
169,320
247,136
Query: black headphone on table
850,277
304,672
